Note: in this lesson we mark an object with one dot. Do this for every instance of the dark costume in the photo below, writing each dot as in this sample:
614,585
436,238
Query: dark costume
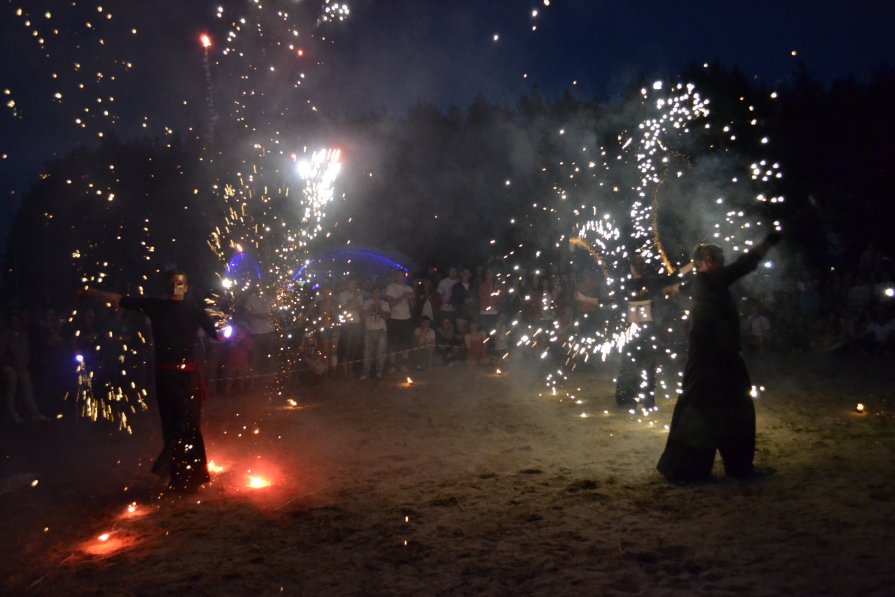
179,388
715,411
463,300
636,385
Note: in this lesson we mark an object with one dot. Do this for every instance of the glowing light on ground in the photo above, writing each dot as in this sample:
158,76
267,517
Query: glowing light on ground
109,543
258,482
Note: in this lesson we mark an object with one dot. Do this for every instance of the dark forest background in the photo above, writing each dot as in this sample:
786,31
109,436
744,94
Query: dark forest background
430,184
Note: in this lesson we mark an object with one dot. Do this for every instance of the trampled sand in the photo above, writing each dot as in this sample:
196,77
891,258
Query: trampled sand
465,482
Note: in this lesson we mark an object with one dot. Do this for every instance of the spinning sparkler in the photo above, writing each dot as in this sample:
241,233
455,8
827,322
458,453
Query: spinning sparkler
680,179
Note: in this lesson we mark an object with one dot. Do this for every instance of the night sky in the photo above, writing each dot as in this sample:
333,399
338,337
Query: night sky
388,55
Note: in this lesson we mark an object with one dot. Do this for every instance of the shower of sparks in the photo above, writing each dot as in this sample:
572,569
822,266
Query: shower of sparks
674,179
250,61
281,225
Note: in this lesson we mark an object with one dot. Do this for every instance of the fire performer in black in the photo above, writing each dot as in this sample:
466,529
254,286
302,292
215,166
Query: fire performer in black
636,382
715,411
179,387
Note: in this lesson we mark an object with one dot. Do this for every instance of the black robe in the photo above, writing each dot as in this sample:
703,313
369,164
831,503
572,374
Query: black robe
636,380
174,327
715,411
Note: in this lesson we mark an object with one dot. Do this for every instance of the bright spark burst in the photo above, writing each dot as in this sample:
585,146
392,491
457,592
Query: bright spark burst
89,53
612,202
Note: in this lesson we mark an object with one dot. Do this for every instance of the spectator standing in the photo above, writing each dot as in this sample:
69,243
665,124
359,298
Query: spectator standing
428,301
351,338
463,297
15,358
445,293
400,299
375,314
758,327
488,304
238,363
258,311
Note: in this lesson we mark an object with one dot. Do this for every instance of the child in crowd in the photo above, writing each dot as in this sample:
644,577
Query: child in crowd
446,341
423,344
475,340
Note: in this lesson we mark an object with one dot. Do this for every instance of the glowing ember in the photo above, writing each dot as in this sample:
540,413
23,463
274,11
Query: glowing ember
256,482
132,508
107,544
292,402
205,40
860,407
409,381
214,468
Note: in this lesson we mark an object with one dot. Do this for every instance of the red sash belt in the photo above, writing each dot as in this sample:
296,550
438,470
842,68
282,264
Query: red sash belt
192,367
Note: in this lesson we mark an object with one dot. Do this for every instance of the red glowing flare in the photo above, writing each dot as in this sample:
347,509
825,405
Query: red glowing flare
299,52
108,544
205,40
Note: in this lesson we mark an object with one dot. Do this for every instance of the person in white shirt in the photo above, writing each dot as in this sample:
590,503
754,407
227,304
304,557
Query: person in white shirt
759,327
375,314
400,299
259,320
444,290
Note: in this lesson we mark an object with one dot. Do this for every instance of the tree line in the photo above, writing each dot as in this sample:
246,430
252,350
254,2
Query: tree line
439,185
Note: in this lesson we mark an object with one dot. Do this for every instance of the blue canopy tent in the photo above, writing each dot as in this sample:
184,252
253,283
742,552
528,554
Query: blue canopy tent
346,262
243,267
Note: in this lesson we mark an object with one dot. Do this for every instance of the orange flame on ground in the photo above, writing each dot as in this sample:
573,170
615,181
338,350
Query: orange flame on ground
256,482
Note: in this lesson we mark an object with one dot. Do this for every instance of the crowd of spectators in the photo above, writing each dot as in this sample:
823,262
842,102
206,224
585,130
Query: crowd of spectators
812,309
471,317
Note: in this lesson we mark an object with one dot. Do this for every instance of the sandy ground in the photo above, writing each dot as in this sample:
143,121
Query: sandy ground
465,482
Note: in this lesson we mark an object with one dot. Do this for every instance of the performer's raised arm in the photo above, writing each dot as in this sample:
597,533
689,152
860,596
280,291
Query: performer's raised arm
112,299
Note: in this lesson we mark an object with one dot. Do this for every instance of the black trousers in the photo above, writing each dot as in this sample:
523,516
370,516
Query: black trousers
636,382
180,408
715,413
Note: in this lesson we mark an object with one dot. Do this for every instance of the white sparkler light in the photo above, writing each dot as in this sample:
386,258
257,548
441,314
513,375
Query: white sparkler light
617,210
